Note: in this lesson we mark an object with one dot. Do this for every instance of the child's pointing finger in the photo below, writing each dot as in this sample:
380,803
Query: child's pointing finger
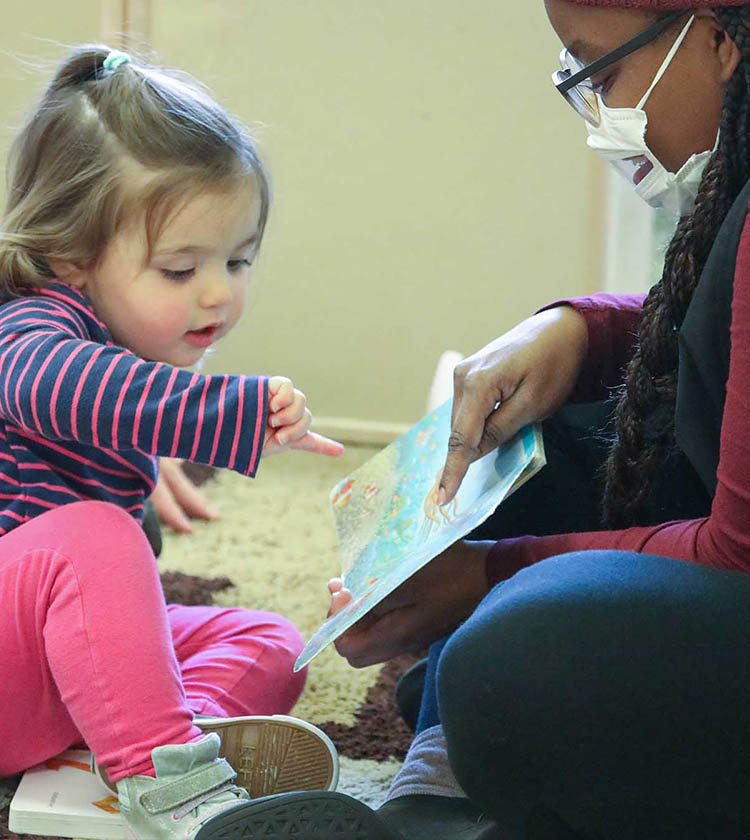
318,444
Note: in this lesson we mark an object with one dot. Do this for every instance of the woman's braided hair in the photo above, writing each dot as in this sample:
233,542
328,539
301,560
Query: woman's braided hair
644,438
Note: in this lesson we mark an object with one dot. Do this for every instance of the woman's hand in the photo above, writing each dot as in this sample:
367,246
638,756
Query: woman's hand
521,377
177,500
426,607
289,420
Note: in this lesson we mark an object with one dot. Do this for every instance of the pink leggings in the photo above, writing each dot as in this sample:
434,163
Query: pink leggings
89,651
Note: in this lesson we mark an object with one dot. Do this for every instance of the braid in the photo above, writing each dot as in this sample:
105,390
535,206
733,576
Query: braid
644,417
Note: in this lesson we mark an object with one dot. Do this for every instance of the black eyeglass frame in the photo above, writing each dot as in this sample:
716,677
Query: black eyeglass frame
640,40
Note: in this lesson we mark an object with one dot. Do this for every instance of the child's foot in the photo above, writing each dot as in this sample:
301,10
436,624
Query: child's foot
192,785
193,797
270,754
276,754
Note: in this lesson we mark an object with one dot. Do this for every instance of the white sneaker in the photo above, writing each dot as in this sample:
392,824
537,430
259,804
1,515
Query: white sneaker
270,754
193,786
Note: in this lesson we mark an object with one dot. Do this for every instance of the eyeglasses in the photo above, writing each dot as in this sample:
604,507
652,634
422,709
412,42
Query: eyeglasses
574,80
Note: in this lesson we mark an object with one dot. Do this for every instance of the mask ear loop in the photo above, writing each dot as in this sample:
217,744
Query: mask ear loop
667,61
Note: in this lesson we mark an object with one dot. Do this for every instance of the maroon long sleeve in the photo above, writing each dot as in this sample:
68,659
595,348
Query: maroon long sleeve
723,538
612,322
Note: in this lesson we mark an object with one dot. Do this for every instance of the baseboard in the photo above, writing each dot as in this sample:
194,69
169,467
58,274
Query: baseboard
359,432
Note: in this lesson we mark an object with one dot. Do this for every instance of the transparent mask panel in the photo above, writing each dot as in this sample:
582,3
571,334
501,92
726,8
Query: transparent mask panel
633,169
581,97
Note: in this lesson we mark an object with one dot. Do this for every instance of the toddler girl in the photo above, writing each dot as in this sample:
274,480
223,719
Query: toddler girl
136,207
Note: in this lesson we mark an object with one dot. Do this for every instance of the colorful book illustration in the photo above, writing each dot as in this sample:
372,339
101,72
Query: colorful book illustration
388,521
62,798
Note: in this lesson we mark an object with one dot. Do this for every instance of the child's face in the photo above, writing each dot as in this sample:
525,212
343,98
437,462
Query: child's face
190,292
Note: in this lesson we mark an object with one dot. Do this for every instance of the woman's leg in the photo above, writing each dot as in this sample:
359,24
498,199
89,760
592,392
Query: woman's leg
575,448
236,662
85,643
605,695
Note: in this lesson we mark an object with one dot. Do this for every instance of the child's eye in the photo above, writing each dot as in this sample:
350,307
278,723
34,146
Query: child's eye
182,274
236,265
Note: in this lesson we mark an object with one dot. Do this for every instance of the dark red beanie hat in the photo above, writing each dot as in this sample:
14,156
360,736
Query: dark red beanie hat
661,5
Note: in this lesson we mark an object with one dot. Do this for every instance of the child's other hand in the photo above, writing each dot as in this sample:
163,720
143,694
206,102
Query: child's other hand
289,422
177,500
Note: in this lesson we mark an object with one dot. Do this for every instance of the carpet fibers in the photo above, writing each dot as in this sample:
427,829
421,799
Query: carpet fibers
274,548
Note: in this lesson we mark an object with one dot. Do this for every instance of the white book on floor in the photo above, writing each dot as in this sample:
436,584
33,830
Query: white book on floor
63,798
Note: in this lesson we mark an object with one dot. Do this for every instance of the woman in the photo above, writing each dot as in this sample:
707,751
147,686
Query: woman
595,682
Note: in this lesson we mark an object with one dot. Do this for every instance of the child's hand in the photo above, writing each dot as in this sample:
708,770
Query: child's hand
289,422
177,500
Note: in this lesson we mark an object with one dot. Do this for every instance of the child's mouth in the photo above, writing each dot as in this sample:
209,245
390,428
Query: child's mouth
203,337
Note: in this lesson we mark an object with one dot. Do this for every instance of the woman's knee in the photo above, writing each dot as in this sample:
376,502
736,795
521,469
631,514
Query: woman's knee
523,659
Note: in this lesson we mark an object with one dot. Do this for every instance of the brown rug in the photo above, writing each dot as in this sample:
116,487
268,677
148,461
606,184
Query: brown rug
378,733
273,549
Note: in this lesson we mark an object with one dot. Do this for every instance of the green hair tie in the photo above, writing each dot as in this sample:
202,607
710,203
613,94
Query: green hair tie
115,59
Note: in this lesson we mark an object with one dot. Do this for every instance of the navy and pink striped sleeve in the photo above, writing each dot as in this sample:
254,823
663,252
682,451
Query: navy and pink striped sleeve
58,383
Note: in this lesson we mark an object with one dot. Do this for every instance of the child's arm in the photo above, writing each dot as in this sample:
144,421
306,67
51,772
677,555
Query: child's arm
56,383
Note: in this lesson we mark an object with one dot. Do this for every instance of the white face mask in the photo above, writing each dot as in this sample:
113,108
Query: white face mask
620,138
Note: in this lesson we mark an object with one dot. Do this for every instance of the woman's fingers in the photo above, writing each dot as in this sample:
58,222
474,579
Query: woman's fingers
378,638
339,600
426,607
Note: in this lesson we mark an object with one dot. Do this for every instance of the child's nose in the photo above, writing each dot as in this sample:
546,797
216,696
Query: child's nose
217,290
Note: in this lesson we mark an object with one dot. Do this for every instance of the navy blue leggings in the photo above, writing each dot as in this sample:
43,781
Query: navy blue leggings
603,694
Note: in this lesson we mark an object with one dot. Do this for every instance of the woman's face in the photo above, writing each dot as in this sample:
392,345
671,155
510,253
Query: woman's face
684,108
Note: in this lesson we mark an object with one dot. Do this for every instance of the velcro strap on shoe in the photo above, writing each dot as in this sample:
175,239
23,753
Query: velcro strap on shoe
170,795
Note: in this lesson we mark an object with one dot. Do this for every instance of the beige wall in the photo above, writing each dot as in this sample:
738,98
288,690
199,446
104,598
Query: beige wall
430,186
32,34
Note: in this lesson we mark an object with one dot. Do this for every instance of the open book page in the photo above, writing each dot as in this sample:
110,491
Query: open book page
388,521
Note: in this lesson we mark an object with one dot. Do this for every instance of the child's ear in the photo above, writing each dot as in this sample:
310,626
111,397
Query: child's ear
69,272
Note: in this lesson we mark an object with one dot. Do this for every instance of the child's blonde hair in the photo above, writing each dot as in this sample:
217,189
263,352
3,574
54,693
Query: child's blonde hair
68,167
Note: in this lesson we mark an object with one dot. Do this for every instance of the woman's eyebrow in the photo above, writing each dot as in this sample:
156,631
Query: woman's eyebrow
585,52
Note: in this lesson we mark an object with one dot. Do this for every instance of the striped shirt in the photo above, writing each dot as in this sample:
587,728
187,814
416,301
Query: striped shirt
82,418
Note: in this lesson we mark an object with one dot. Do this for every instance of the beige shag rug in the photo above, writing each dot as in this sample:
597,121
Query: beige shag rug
276,542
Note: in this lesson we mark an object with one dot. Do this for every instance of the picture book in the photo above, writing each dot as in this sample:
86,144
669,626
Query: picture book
388,521
62,798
